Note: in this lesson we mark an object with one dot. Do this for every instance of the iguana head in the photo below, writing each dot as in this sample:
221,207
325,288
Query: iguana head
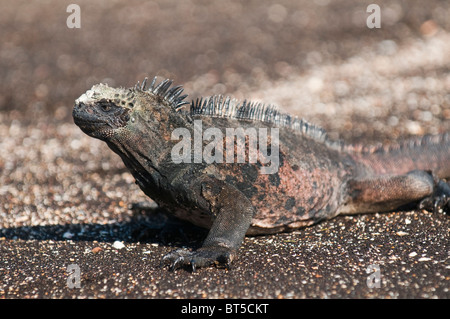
102,110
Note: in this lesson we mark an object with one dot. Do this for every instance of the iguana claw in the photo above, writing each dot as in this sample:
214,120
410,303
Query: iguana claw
440,199
202,257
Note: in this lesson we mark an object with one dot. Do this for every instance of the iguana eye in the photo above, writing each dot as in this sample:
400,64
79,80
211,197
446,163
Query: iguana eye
105,107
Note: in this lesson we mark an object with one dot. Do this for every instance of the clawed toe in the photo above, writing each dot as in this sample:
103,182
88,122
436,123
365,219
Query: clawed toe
439,200
203,257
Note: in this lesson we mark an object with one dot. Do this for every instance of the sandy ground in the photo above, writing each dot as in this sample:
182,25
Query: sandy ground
65,198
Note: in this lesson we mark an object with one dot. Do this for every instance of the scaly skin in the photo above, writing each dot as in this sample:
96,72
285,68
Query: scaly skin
315,179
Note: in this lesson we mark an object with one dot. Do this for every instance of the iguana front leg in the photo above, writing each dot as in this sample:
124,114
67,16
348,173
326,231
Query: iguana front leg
232,213
388,192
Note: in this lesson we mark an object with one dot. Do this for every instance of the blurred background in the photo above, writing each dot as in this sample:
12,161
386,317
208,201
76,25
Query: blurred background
311,58
63,193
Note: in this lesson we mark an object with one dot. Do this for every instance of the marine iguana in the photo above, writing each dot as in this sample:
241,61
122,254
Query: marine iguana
315,178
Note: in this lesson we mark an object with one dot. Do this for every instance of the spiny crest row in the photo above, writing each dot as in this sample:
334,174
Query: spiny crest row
163,90
220,106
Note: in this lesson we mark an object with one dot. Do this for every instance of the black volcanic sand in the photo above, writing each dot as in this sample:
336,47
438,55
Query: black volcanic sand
65,198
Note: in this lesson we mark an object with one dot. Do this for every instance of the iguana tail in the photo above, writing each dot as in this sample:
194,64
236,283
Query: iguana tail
427,153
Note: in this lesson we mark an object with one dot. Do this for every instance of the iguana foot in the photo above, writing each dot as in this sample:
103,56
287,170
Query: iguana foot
202,257
440,199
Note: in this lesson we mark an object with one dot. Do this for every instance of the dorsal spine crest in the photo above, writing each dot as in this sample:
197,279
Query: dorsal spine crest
226,107
171,95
